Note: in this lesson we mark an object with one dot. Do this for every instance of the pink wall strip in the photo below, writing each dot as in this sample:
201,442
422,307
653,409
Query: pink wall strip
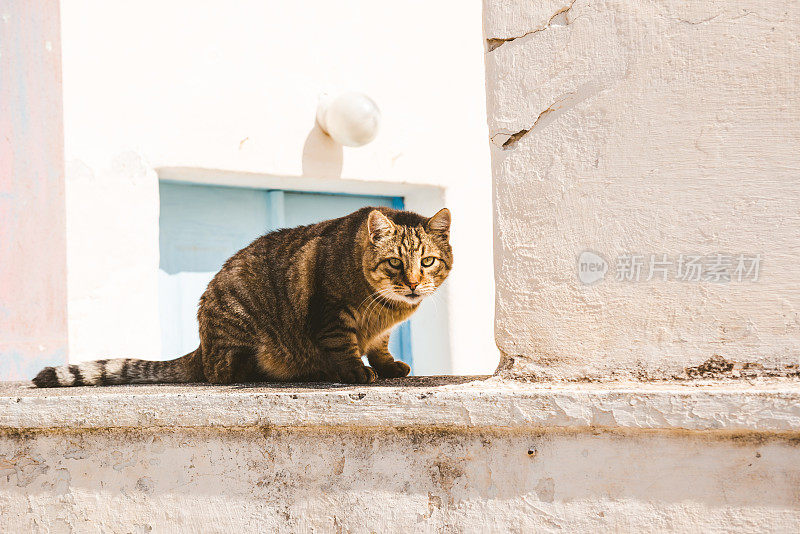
33,282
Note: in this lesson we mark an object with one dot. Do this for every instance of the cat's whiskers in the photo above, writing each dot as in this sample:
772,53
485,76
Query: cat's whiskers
436,300
428,288
370,296
373,305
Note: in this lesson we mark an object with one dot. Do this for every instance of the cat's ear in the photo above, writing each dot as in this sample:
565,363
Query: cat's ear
379,226
439,223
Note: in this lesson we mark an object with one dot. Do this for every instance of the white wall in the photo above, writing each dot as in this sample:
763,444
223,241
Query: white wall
234,86
661,127
368,480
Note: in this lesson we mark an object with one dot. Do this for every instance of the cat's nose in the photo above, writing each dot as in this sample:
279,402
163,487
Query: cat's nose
412,285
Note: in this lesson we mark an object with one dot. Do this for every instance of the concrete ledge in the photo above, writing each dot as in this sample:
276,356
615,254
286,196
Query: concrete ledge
410,455
464,402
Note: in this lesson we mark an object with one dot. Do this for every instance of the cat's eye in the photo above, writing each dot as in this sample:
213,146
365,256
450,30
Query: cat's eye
428,261
395,263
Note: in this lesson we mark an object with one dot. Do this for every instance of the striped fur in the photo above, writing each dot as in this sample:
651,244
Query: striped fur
301,304
117,371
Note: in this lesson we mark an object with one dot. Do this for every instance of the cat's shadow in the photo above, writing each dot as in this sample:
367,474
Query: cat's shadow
407,382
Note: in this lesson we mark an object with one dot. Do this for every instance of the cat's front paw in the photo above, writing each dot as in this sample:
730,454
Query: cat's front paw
357,375
395,369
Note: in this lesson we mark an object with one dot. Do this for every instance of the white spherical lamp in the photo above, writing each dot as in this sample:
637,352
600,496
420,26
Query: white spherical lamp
351,119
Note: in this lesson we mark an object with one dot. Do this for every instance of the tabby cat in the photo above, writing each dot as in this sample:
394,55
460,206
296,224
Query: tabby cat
301,304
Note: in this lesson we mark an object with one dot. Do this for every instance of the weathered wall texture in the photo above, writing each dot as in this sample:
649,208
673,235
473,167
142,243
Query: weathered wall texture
644,128
33,280
407,455
296,480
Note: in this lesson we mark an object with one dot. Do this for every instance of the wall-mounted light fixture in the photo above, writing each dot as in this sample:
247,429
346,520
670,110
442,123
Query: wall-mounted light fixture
351,119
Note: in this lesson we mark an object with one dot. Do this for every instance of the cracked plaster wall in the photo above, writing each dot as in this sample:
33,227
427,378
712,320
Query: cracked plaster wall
659,127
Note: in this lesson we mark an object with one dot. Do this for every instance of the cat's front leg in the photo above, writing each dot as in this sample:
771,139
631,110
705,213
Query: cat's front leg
339,345
384,363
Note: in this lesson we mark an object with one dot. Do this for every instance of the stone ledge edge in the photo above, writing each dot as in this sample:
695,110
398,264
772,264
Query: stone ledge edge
697,409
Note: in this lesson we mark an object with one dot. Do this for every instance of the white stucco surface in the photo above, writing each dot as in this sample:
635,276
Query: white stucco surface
112,258
418,455
644,128
463,402
235,88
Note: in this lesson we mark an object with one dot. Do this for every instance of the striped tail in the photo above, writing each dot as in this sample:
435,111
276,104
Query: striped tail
121,371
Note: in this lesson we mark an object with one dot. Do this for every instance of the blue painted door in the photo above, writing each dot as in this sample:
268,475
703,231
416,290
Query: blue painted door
201,226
